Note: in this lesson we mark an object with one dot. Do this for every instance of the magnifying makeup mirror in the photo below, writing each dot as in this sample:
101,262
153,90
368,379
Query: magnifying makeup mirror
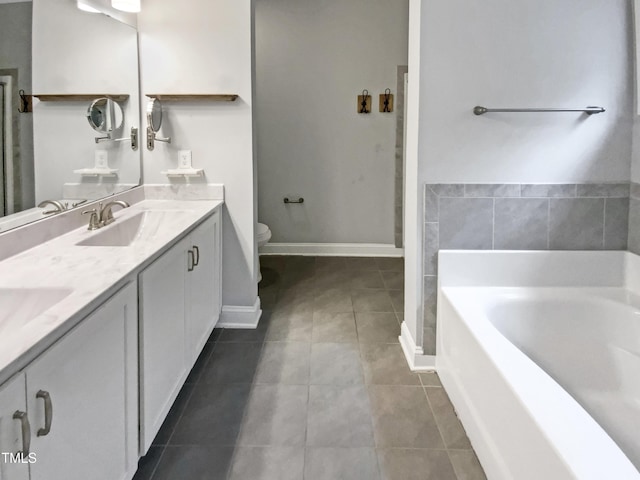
154,122
105,116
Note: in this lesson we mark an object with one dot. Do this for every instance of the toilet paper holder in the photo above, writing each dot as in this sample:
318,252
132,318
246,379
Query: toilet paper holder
293,200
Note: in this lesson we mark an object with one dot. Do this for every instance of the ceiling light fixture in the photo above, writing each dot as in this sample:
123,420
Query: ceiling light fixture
86,8
132,6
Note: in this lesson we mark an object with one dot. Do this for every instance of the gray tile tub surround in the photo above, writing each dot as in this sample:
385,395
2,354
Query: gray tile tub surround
525,217
634,219
585,216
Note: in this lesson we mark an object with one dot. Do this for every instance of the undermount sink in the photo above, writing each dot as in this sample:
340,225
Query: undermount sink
123,233
18,306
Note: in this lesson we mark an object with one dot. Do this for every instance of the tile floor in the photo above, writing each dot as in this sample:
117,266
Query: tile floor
319,391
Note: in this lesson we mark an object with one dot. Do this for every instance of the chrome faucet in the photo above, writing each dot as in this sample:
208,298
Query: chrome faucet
59,207
105,214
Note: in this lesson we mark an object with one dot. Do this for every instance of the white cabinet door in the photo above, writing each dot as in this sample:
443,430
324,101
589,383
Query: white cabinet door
203,285
162,339
82,397
13,412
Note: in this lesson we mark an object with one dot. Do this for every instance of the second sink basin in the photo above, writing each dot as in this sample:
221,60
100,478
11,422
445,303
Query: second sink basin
123,233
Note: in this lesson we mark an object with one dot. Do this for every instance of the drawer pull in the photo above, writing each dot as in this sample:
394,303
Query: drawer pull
26,431
197,252
48,412
190,261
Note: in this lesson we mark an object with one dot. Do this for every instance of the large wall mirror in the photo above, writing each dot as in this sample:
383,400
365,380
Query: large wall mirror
67,58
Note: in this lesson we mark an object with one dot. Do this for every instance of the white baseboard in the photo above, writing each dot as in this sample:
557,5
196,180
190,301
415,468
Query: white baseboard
233,316
417,360
333,249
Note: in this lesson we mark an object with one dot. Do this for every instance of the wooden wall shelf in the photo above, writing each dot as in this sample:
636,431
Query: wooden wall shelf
79,97
188,97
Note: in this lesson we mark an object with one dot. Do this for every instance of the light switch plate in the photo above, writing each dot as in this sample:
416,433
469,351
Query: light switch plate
184,159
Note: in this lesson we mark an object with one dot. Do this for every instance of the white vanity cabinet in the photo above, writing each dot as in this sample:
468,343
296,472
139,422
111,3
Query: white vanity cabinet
13,413
203,286
179,297
81,400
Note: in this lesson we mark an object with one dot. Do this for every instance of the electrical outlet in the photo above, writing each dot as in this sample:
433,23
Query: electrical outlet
102,159
184,159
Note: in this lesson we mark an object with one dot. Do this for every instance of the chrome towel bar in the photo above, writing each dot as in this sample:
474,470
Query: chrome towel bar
588,110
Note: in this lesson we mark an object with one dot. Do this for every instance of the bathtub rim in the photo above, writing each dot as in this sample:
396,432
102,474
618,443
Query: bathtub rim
513,367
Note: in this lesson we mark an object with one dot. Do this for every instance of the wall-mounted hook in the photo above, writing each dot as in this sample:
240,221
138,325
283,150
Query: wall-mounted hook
26,102
386,101
364,102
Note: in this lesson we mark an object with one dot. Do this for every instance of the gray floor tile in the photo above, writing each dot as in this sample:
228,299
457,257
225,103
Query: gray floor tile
415,464
275,415
267,463
334,300
450,427
334,327
332,280
298,278
430,379
270,282
466,465
402,418
393,280
212,416
268,301
299,262
215,335
195,462
231,363
390,263
330,263
201,362
361,263
274,262
341,464
312,336
339,416
148,463
397,300
363,279
295,300
371,301
377,327
170,422
335,364
284,362
292,326
385,364
247,335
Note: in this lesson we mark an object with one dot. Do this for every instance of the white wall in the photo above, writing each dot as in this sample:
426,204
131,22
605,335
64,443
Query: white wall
500,53
76,52
534,53
204,46
312,60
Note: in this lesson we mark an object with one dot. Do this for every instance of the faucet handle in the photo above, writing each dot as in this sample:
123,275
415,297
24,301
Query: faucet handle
94,222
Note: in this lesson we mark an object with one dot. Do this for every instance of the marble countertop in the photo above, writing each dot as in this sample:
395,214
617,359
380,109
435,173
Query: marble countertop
89,274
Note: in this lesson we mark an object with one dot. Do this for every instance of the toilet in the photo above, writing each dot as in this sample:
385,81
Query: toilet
263,235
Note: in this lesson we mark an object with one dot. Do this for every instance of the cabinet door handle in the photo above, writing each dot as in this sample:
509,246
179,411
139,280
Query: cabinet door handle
48,412
190,261
197,251
26,430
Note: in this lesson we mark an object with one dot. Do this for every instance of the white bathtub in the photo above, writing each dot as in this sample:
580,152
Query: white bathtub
540,354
